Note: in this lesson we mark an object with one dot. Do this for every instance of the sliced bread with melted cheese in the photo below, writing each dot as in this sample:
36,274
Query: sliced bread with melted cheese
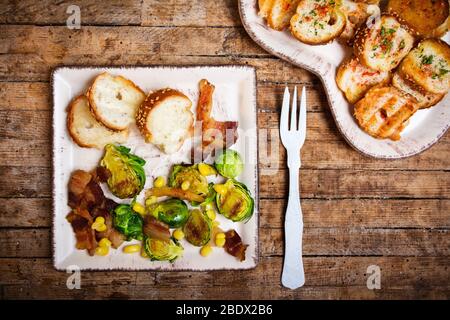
280,13
85,130
165,119
264,7
317,21
356,13
424,99
383,44
428,65
114,100
354,79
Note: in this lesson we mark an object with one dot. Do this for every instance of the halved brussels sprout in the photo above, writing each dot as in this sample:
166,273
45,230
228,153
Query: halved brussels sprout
162,250
127,171
197,229
128,222
229,164
182,173
174,212
235,203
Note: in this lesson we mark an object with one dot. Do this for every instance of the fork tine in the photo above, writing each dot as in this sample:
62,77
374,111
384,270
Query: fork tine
284,111
302,113
293,124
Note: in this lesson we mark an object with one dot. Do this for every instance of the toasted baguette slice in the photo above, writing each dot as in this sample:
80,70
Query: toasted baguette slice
355,79
426,18
428,65
317,21
384,112
85,130
424,99
114,100
356,13
264,7
165,119
280,13
383,44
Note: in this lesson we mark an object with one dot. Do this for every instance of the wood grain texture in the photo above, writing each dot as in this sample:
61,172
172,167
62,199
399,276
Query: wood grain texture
32,243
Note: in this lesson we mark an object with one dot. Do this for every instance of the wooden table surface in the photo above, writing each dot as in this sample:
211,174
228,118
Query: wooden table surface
357,211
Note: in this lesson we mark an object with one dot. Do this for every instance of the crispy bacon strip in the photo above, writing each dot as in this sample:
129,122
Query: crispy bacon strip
81,222
216,135
174,193
156,229
234,245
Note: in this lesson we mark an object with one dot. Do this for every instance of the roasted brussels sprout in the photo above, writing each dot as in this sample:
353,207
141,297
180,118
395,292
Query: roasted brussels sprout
235,202
197,229
229,164
183,173
128,222
127,171
174,212
162,250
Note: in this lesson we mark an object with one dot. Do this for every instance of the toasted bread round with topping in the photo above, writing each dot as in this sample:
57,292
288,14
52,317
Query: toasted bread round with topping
424,99
384,112
383,44
114,100
85,130
165,119
354,79
356,13
264,7
426,18
280,13
317,21
428,65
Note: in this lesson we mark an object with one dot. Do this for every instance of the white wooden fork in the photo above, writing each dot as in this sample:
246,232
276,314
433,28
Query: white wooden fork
293,137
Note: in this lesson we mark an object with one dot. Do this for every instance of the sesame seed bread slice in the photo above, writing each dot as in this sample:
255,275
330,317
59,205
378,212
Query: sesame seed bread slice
114,100
355,79
383,44
384,112
424,99
85,130
428,65
426,18
356,13
165,119
317,21
281,13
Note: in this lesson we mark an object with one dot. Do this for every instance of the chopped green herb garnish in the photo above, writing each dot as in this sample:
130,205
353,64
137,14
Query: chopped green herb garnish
402,44
427,59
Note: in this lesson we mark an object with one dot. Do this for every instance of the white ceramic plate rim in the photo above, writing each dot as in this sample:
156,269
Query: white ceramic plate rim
252,257
297,53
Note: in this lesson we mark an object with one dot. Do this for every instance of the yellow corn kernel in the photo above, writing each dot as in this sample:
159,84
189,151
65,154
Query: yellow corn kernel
185,185
221,189
208,206
104,242
132,248
220,242
220,235
139,208
206,250
211,214
159,182
215,223
99,224
102,251
206,169
151,200
178,234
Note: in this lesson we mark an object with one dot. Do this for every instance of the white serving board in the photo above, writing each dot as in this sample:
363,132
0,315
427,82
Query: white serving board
426,127
234,99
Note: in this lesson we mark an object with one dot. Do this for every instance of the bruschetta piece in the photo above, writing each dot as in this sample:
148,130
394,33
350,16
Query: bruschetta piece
428,65
383,44
356,13
280,13
317,21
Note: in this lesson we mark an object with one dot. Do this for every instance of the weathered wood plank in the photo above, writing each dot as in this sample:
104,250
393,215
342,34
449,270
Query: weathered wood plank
337,184
219,293
316,241
317,213
197,13
321,271
92,12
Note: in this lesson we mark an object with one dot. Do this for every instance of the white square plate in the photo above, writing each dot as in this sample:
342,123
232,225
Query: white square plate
425,128
234,99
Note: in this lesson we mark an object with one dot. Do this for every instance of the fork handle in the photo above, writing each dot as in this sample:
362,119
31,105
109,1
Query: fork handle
293,275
